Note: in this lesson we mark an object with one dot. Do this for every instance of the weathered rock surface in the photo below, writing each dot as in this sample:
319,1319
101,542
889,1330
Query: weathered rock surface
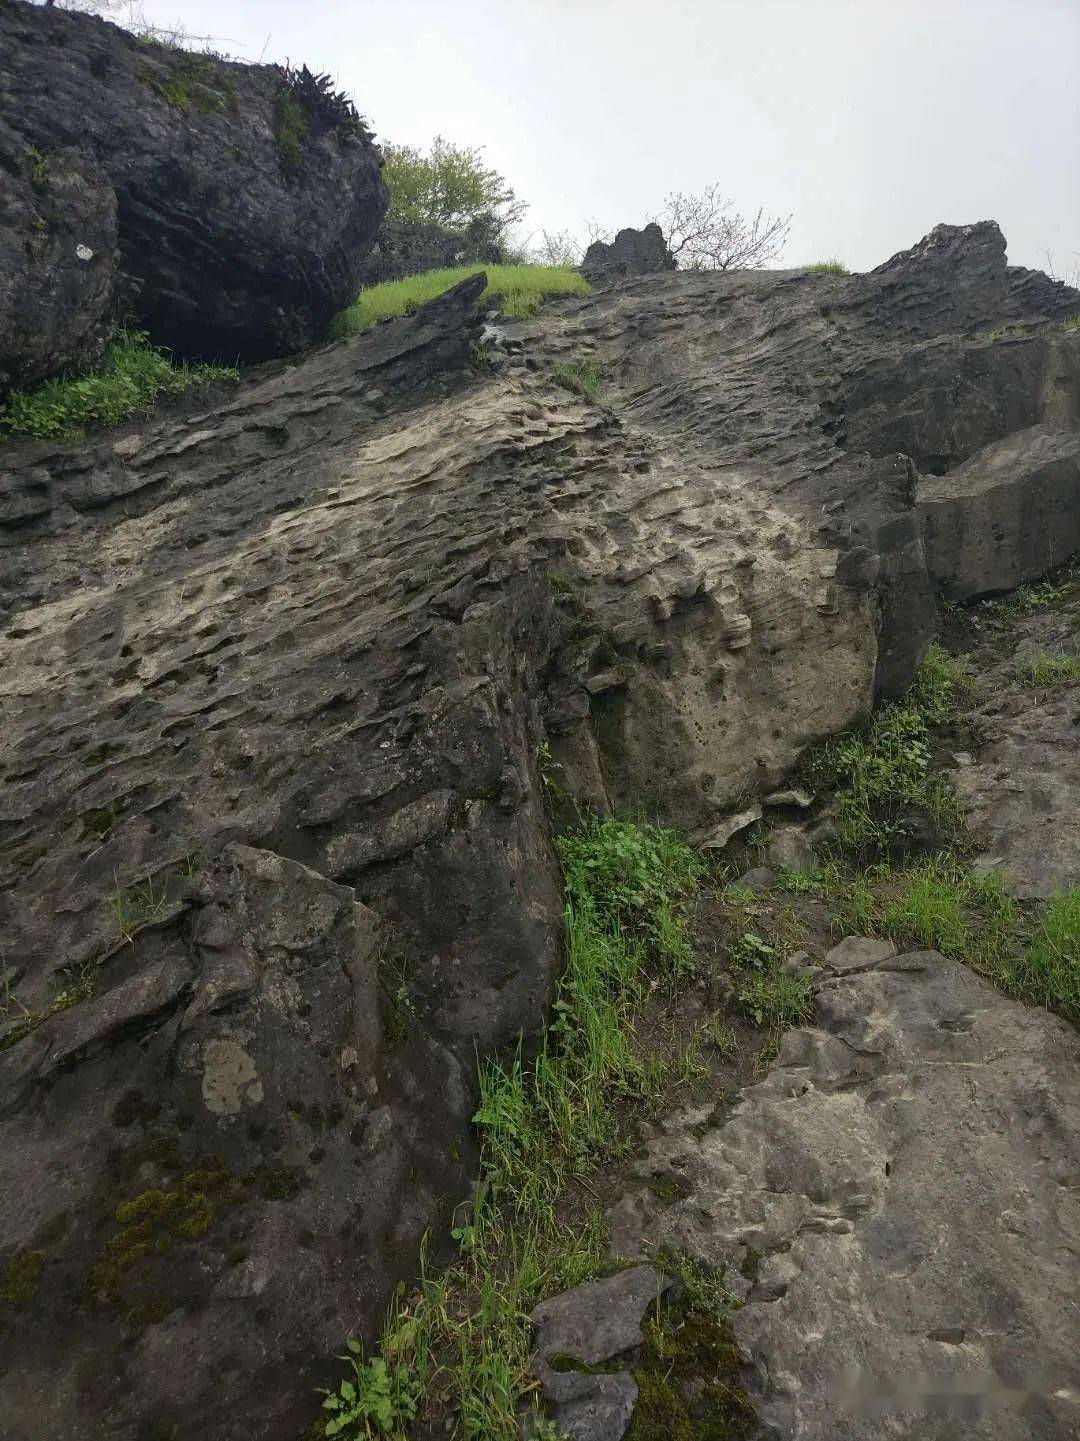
1022,793
57,260
339,621
632,252
242,1164
907,1175
244,209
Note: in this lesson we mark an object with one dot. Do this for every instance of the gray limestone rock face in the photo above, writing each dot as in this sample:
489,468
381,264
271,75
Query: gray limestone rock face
908,1173
364,617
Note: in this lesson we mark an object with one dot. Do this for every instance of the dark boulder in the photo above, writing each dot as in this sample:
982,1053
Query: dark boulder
57,260
632,252
404,248
247,195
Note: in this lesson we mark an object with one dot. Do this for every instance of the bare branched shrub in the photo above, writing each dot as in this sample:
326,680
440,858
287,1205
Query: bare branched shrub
1071,276
705,232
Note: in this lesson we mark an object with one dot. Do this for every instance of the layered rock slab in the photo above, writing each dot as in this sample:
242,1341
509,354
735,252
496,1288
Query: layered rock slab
900,1195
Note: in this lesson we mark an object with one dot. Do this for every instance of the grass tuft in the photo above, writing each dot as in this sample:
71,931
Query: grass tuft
887,794
1048,672
458,1351
518,289
580,376
828,267
133,374
1048,971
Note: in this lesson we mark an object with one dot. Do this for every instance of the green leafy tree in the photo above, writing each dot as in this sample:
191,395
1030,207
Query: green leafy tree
449,185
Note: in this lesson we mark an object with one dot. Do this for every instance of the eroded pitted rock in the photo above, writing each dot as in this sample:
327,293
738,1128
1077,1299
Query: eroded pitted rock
897,1204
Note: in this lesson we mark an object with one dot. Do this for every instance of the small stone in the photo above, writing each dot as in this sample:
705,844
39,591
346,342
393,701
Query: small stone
858,953
801,799
758,878
790,847
730,826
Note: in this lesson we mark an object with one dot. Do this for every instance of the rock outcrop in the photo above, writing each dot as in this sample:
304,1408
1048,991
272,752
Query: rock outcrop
337,633
896,1203
245,196
403,248
632,252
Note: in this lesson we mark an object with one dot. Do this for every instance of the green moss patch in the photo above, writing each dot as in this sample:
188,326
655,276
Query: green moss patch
21,1276
689,1378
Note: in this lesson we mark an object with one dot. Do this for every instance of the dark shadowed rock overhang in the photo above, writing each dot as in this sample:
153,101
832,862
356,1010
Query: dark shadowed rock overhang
244,211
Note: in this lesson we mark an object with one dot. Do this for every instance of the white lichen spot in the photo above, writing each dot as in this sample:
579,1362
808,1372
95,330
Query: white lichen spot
84,252
230,1081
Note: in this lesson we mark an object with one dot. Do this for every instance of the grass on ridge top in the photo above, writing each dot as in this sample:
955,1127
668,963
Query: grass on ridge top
518,288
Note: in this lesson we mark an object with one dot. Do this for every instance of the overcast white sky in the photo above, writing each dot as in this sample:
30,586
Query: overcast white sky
871,120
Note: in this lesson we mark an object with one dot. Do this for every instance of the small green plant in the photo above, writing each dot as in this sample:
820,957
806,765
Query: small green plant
1071,322
517,289
1053,593
38,165
291,130
721,1036
132,376
766,993
580,376
828,267
548,767
378,1400
1048,672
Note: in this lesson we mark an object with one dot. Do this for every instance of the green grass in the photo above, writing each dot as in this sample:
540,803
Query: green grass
1048,971
518,289
766,993
458,1351
581,376
1047,672
828,267
886,790
133,374
1057,591
937,904
1071,322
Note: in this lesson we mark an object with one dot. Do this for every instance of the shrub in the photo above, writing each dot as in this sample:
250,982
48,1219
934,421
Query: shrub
132,375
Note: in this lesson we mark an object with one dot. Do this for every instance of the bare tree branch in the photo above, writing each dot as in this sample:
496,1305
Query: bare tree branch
704,232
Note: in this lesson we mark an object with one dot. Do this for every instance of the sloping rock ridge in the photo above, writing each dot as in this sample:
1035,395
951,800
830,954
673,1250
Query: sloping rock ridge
235,204
897,1203
327,642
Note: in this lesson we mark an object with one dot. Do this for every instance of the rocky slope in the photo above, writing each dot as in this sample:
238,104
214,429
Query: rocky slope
226,207
279,687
